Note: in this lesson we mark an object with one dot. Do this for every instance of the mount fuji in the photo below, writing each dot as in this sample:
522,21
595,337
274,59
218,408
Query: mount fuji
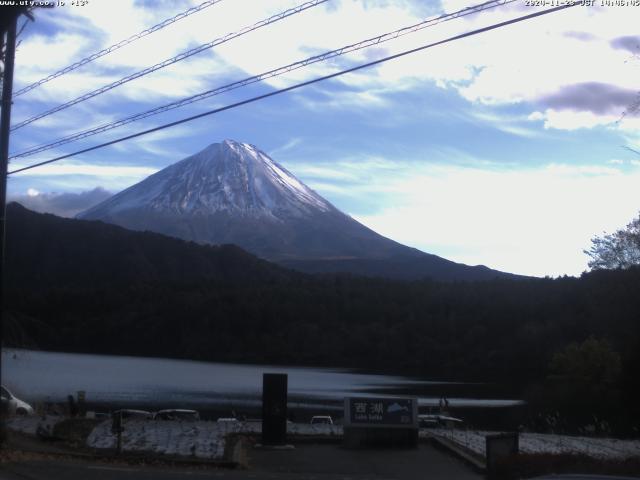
232,192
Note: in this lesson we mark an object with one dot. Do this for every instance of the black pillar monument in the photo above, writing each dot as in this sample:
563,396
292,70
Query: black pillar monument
274,408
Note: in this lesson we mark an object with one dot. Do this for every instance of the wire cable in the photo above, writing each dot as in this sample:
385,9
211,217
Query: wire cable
117,46
170,61
298,85
264,76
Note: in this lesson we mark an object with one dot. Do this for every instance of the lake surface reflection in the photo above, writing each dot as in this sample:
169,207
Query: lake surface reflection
40,376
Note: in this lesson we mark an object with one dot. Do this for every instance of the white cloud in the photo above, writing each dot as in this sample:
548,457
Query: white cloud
289,145
508,124
572,120
519,63
534,222
362,100
63,204
336,172
61,124
32,63
157,144
104,172
116,19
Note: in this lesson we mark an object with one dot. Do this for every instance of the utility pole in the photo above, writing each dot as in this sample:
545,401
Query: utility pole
5,121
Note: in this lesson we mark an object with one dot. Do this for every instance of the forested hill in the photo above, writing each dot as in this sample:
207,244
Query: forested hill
90,287
46,250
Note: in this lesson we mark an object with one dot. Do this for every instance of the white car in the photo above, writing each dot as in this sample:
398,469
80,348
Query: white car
227,420
13,405
321,420
129,413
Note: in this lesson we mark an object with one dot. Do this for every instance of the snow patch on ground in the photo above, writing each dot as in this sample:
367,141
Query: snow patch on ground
29,424
207,440
601,448
202,439
24,424
195,439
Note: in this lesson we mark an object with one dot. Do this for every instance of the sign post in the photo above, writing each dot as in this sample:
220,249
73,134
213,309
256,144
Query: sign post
381,422
116,429
82,403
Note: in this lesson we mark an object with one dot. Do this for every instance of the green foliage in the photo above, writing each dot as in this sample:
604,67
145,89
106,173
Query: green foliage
582,391
593,362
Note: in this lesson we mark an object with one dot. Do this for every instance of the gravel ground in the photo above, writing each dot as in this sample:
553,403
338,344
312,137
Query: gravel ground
599,448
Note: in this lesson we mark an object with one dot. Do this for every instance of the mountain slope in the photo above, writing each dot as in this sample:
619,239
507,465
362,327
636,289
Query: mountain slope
232,192
46,250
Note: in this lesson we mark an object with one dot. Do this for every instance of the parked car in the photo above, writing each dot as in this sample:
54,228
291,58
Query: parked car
438,421
227,420
177,414
13,405
128,413
321,420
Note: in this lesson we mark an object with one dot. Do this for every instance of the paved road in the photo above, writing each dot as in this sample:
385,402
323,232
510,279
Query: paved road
332,461
306,462
66,470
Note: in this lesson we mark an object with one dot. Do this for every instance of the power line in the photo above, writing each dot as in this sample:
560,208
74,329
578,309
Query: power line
118,45
298,85
171,61
631,150
265,75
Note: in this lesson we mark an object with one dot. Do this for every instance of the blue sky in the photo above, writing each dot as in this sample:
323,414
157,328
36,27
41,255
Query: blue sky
504,149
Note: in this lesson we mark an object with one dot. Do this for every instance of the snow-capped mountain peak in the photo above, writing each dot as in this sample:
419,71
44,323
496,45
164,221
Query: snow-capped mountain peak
232,177
232,192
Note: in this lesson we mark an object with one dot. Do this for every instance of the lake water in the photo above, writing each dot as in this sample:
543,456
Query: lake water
163,383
